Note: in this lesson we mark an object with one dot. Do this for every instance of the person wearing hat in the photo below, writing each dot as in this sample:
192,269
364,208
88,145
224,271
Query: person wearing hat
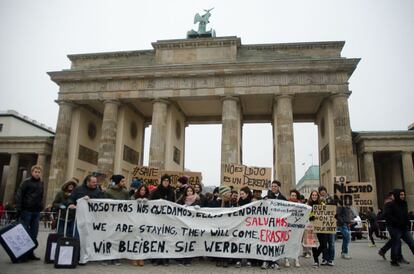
59,203
118,189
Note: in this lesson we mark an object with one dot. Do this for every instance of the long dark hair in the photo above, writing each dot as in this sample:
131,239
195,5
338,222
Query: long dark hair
310,201
137,194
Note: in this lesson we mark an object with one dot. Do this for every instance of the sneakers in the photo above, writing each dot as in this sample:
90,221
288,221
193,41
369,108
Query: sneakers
297,264
372,245
238,264
117,262
345,256
226,263
393,263
324,262
264,265
382,254
287,263
315,265
248,264
308,255
331,263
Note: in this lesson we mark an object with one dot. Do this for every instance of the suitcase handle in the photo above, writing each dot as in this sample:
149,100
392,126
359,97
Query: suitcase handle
66,223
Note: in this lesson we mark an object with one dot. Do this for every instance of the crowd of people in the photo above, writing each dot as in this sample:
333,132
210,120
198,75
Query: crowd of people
28,201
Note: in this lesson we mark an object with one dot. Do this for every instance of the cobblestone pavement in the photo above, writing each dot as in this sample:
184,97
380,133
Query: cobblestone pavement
364,260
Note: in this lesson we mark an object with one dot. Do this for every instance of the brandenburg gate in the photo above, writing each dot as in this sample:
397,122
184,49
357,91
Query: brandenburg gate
107,99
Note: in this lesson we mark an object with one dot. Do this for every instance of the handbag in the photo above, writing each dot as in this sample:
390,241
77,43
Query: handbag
309,237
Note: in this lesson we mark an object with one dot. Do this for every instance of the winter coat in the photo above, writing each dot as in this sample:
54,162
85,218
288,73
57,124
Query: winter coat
82,191
163,193
344,216
271,195
396,212
29,195
117,193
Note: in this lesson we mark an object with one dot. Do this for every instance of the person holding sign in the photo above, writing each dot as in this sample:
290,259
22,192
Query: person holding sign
29,198
322,238
328,254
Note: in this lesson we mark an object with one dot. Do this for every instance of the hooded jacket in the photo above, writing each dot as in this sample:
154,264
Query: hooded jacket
396,212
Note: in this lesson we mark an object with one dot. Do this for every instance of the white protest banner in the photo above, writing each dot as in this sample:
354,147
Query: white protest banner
239,176
325,221
354,194
265,230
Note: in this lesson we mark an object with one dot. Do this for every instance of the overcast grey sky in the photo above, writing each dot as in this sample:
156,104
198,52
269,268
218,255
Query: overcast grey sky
37,35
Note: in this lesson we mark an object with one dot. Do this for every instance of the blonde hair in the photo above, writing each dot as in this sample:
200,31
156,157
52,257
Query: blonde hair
36,167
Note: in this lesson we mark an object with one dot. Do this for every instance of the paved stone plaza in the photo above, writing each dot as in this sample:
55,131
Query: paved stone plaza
364,260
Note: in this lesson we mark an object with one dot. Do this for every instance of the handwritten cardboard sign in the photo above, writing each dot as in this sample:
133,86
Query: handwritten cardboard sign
238,176
353,194
325,221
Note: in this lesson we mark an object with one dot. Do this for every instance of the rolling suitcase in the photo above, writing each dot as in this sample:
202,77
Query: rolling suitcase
67,248
17,242
52,239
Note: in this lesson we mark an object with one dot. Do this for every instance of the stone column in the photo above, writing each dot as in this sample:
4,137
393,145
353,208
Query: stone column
230,131
11,178
41,161
107,143
408,173
58,162
344,159
283,143
158,134
369,175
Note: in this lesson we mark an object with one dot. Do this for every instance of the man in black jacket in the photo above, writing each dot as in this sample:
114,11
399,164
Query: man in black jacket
29,201
396,215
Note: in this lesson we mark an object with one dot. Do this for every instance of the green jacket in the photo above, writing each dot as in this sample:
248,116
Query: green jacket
116,193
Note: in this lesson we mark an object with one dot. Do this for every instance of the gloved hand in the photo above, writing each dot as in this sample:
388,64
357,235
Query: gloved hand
86,197
312,218
196,207
144,200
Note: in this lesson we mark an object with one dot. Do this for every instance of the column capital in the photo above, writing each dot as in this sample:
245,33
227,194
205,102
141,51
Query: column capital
111,101
161,100
340,94
230,97
405,152
281,96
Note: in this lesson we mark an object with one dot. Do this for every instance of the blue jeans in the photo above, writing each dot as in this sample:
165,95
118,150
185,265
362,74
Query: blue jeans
30,220
329,253
397,234
346,235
